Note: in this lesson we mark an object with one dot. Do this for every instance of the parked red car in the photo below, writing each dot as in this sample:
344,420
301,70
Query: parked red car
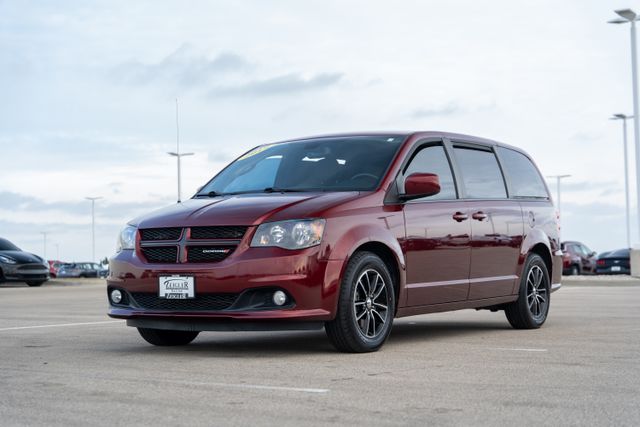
345,232
577,258
54,266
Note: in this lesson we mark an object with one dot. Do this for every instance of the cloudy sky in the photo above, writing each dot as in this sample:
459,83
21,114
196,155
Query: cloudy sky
88,97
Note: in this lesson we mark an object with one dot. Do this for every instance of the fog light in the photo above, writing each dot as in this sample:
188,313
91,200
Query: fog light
279,298
116,296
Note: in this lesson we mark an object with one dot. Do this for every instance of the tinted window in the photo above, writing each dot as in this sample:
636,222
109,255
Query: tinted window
524,179
480,173
433,159
6,245
620,253
324,164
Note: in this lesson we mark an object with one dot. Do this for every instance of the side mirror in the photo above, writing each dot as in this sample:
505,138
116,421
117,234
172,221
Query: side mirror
420,185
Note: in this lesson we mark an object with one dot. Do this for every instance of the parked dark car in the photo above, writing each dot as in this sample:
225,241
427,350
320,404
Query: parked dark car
17,265
577,258
614,262
346,232
82,270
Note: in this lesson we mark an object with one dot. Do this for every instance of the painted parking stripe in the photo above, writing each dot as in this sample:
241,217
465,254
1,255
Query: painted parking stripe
60,325
254,387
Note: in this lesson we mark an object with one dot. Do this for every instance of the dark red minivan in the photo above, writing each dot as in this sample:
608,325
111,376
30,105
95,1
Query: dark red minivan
344,232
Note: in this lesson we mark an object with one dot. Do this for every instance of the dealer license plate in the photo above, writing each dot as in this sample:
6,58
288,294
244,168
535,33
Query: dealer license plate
615,268
177,287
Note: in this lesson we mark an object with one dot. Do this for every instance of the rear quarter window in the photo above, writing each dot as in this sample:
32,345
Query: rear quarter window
524,179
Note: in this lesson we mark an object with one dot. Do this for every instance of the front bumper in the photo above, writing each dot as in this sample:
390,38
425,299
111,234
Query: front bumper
24,272
244,280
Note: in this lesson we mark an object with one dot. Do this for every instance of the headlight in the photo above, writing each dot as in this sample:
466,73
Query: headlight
127,238
289,234
7,260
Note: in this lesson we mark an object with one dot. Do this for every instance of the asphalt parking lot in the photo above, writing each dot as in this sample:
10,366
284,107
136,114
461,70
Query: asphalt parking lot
64,362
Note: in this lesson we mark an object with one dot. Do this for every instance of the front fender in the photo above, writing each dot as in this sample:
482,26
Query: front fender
348,241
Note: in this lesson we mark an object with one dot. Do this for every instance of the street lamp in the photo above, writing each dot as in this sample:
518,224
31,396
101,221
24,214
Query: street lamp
44,244
624,119
178,155
93,226
629,16
558,178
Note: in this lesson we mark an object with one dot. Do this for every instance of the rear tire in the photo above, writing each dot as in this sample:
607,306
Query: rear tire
162,337
366,306
35,283
531,308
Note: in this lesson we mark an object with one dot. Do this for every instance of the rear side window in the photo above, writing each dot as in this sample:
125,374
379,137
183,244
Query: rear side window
433,159
481,173
524,178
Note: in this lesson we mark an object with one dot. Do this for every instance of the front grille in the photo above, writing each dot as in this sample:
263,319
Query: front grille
33,267
170,233
219,232
203,302
161,254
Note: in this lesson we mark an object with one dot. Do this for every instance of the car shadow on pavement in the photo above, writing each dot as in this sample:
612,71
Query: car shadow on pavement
282,344
442,330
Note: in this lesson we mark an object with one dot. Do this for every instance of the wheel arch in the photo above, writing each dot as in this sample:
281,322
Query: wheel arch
537,242
389,258
545,253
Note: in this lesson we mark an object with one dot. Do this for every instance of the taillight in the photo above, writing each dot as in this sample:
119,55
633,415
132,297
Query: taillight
600,262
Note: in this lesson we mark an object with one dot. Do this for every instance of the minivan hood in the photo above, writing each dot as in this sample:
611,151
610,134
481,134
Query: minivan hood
243,209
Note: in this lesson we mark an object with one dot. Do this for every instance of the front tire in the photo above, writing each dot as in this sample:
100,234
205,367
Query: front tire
164,338
35,283
366,306
531,308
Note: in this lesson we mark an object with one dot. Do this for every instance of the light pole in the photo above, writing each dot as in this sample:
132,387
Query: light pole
558,178
93,226
629,16
58,251
178,155
44,244
624,119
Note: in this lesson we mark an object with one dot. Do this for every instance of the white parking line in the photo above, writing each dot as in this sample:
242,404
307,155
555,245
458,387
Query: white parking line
255,387
59,325
520,349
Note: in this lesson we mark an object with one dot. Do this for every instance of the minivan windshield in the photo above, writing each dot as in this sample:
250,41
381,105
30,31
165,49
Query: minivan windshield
349,163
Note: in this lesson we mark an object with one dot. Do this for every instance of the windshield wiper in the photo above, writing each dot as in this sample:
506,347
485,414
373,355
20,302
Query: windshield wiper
282,190
210,194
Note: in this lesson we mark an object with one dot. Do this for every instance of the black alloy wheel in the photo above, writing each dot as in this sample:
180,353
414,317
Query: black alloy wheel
531,308
366,306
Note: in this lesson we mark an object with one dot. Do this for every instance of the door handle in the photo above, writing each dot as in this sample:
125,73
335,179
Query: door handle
459,216
479,216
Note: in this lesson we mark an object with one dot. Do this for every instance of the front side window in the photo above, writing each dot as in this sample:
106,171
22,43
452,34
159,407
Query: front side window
481,173
355,163
433,159
524,179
